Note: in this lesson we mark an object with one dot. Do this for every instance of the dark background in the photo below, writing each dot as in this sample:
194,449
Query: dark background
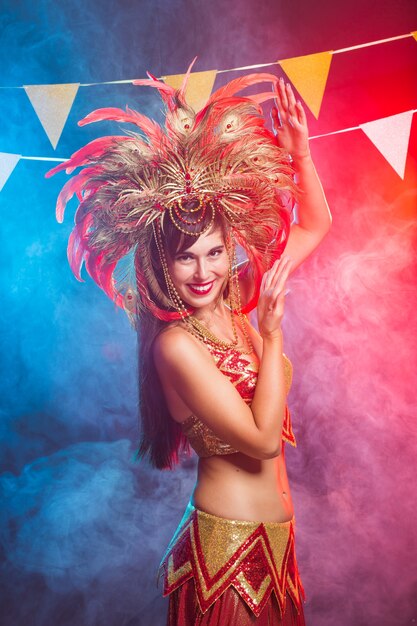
83,526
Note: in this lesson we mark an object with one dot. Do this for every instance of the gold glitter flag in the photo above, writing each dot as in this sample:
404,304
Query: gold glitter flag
52,104
199,87
309,75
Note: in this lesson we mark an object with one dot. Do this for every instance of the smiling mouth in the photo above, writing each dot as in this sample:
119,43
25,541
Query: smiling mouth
201,290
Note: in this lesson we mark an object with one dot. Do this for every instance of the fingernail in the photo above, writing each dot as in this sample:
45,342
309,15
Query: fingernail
281,79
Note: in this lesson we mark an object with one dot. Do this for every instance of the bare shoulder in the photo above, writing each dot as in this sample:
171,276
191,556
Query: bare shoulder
175,347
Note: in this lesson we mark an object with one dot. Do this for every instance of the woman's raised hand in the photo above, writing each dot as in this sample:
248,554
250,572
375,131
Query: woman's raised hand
271,299
289,122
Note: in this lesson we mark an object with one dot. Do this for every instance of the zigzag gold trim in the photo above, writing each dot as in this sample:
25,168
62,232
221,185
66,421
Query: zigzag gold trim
175,574
217,553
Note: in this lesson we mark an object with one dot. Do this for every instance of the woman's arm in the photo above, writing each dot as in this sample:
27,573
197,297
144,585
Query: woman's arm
185,366
313,213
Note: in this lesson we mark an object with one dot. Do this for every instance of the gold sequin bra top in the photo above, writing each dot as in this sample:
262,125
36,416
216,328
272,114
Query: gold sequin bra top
243,374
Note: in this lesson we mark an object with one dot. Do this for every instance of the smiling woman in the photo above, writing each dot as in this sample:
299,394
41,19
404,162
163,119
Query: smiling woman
201,269
157,227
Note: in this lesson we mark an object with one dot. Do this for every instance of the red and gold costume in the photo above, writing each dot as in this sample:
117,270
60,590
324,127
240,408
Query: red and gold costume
243,374
210,557
210,554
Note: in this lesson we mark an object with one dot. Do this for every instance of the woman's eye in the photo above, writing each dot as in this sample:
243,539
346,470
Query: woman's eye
183,257
216,252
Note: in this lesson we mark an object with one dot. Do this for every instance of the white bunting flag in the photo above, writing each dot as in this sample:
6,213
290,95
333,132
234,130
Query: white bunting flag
391,136
52,104
7,164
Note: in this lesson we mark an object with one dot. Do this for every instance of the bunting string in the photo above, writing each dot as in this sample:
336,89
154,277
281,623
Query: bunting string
127,81
373,43
348,130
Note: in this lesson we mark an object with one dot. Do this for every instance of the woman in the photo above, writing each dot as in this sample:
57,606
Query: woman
157,227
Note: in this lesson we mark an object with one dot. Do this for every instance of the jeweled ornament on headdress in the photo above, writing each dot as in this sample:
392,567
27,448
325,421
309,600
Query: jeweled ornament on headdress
219,159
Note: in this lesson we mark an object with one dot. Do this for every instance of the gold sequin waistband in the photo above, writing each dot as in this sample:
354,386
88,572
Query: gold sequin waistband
255,557
241,523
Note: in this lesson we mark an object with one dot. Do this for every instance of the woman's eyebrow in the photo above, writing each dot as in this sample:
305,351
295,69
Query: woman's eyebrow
188,253
183,253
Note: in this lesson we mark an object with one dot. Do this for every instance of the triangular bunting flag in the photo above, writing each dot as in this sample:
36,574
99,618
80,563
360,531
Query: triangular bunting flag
391,136
7,164
414,34
199,87
309,74
52,104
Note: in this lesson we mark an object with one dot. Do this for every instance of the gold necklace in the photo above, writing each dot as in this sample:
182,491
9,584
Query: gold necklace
203,333
192,324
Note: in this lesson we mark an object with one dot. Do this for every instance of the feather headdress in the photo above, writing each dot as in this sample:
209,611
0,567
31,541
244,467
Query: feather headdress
219,159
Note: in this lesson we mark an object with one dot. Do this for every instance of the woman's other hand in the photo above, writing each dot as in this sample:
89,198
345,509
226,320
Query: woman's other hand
289,122
271,298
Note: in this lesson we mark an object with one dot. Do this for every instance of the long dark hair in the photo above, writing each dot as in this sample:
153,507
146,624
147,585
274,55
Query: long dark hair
161,438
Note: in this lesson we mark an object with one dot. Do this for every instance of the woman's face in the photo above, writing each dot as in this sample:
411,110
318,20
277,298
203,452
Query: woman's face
200,272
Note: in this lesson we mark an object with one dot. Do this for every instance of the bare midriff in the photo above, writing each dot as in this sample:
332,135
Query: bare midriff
239,487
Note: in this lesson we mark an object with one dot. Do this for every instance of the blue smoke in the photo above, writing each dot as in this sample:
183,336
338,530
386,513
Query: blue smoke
91,521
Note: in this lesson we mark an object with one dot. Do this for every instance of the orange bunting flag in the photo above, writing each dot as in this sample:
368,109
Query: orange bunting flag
52,104
391,136
7,164
414,34
199,86
309,75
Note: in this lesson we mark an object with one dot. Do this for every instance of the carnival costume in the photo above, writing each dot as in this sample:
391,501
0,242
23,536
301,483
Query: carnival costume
219,160
208,554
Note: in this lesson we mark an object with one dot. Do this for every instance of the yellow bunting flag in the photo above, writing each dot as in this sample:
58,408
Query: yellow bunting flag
7,164
391,136
199,86
309,74
52,104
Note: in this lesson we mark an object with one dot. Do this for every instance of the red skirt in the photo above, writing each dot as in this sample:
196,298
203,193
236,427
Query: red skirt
223,572
228,610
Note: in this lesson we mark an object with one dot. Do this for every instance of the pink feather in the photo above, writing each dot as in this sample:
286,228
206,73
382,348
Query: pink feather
75,254
257,271
106,279
89,152
74,185
157,84
78,245
238,84
149,127
93,262
259,98
167,92
186,77
218,108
